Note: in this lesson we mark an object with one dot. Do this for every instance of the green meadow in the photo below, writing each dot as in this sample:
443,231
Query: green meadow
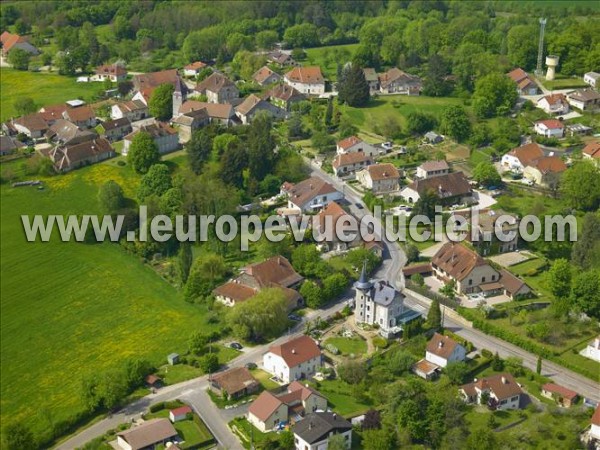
328,57
70,309
43,88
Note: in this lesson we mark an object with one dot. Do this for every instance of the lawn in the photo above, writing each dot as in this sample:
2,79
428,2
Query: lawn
328,57
348,346
43,88
341,397
70,309
563,83
398,106
193,431
264,378
537,282
247,432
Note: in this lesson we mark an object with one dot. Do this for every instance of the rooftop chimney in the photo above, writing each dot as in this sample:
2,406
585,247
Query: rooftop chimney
441,344
294,351
504,380
334,416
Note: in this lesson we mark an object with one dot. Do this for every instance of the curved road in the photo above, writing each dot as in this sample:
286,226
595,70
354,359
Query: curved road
193,391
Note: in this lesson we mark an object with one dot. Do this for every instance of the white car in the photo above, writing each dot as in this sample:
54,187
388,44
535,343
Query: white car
527,181
387,145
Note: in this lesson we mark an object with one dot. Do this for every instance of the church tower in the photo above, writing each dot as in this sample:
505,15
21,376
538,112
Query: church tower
178,97
363,294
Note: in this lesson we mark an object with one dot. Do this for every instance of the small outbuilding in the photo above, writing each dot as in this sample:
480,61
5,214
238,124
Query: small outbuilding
177,414
433,138
153,381
173,358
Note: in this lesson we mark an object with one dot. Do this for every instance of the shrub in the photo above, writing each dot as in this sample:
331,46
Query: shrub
486,353
380,342
157,407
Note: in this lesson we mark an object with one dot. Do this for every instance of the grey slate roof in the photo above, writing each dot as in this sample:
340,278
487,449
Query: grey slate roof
316,426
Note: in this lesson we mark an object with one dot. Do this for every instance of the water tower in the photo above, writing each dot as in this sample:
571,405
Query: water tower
551,62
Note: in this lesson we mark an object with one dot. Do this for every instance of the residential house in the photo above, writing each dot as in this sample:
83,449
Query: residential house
189,122
592,78
11,41
179,414
67,133
82,116
265,76
9,145
455,262
314,432
595,425
502,390
433,138
440,351
592,351
165,137
545,170
273,272
372,79
433,169
348,163
563,396
511,286
482,234
70,157
298,358
144,84
307,80
147,435
272,412
234,383
281,59
425,369
550,128
395,81
325,224
592,151
32,125
253,104
52,113
111,72
379,178
283,96
218,89
116,129
310,195
452,188
221,113
584,99
355,144
378,303
578,129
554,104
525,85
132,110
193,69
519,158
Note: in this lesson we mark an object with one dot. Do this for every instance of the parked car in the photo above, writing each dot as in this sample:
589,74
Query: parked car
387,145
527,181
236,345
294,317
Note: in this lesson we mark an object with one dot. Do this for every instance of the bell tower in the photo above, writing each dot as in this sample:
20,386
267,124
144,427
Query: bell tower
363,287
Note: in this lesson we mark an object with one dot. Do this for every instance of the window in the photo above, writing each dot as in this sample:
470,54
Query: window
470,282
515,398
493,277
483,279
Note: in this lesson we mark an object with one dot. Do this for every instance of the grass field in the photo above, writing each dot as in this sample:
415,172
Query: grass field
398,106
43,88
69,309
328,57
353,346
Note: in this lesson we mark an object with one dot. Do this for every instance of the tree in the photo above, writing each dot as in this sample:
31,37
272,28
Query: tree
426,204
124,87
21,27
418,279
585,294
302,35
333,286
482,438
266,40
400,362
156,181
412,252
112,388
312,294
457,371
261,146
199,148
353,88
143,152
455,123
559,278
435,84
448,290
390,128
197,343
264,317
522,49
24,106
295,126
323,141
19,58
372,420
186,259
346,128
206,271
329,112
337,442
497,363
538,366
209,363
286,440
434,315
485,174
111,197
18,436
352,372
494,95
136,371
161,102
420,123
580,186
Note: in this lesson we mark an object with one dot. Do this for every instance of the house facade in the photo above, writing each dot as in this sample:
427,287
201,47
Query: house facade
265,76
111,72
218,89
221,113
296,359
325,224
592,151
32,125
234,383
545,170
592,350
518,158
252,105
592,78
193,69
442,350
310,195
164,136
502,391
348,163
561,395
117,129
372,79
354,144
433,169
132,110
554,104
147,435
584,99
452,188
550,128
306,80
314,432
524,84
188,123
70,157
395,81
284,96
379,178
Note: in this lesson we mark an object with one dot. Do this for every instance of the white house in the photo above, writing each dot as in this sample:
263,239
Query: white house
133,110
293,360
550,128
355,144
591,78
592,151
554,104
348,163
306,80
502,390
442,350
218,89
252,105
165,137
111,72
520,157
432,169
379,178
265,76
595,428
592,351
315,430
584,99
193,69
177,414
310,195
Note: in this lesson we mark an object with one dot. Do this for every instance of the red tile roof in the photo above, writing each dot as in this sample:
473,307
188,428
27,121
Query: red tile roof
528,153
53,112
309,75
517,75
154,79
264,406
347,159
303,192
79,114
560,390
457,260
235,380
552,124
297,351
592,149
9,40
386,171
596,416
236,291
503,385
262,74
276,270
553,99
214,83
111,69
181,410
549,164
351,141
441,345
195,65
